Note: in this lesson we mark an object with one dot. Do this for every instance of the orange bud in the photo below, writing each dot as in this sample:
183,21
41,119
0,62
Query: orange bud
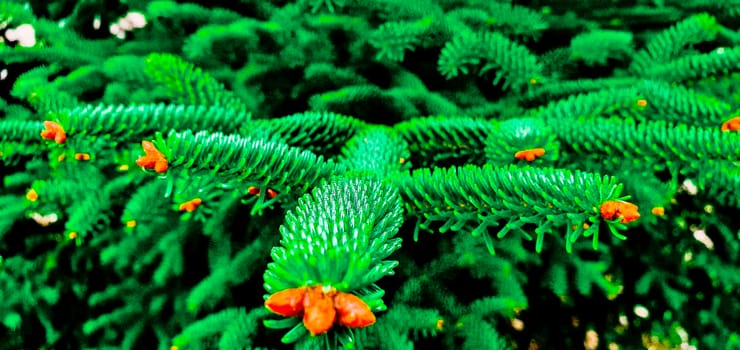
642,102
319,313
32,195
288,303
72,235
191,205
658,211
731,125
82,156
353,312
611,210
131,223
154,159
530,154
271,193
253,191
53,131
440,324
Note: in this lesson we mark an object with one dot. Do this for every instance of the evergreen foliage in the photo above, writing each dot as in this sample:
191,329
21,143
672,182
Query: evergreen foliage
270,174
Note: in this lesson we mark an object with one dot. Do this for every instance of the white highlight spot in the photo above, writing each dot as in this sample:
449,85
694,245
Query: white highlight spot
25,35
641,311
701,236
690,187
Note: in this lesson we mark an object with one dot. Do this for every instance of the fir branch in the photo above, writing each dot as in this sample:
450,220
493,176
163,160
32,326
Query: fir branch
246,160
515,20
365,102
555,89
659,143
128,123
318,132
20,132
337,236
514,64
718,62
683,105
379,150
720,181
187,84
597,46
672,42
441,140
392,39
522,140
472,199
598,103
240,268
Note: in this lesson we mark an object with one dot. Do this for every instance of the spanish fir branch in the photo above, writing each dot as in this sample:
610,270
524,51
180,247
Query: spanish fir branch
238,269
514,20
674,41
479,334
410,323
598,46
188,84
598,103
240,331
339,236
319,132
129,123
209,326
246,160
557,89
392,39
353,100
443,140
333,247
81,81
481,52
13,210
378,150
719,180
691,67
683,105
472,199
19,137
522,140
656,142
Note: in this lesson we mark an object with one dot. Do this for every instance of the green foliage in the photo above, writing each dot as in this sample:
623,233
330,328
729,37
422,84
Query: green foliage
318,132
472,199
597,46
442,140
515,135
355,229
515,66
187,84
305,140
134,122
671,43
